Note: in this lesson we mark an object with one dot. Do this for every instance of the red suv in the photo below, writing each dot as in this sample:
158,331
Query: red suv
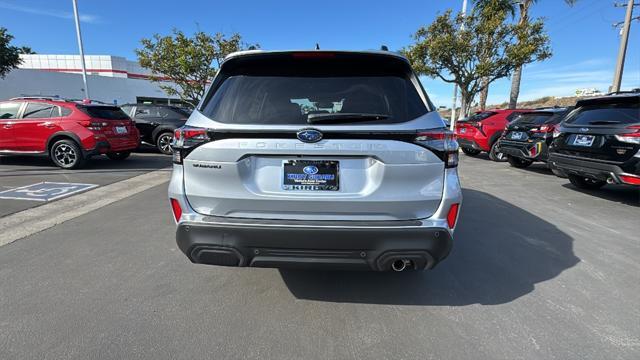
69,132
481,131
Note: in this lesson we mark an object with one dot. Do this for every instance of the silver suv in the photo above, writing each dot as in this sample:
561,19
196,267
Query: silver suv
322,159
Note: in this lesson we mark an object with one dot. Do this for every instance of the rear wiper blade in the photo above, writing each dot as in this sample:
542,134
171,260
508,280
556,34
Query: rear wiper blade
343,117
603,122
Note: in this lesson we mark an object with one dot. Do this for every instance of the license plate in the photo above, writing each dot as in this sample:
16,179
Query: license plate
310,175
517,135
583,140
463,130
121,129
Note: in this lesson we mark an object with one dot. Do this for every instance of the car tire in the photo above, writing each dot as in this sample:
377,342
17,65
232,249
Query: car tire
470,152
163,142
118,156
496,155
585,183
518,162
67,154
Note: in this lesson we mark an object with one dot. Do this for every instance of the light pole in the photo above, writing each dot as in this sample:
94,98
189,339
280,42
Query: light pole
617,78
84,68
452,124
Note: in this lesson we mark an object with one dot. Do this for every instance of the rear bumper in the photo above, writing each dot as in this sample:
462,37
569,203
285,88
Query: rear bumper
595,169
114,145
298,244
524,149
469,144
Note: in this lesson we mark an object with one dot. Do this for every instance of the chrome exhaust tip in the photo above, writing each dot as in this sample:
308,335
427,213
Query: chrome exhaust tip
399,265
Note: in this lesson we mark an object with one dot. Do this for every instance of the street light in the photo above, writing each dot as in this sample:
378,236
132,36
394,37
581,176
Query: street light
84,68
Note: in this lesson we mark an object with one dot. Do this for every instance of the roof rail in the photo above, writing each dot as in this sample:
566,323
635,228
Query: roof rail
55,97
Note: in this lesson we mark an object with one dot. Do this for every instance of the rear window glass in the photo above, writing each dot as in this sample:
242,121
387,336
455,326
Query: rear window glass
104,112
480,116
289,100
603,114
534,118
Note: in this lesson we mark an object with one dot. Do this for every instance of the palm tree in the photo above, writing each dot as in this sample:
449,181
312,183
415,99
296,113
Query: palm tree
523,7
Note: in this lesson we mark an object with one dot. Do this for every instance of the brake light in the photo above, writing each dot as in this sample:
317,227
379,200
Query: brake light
186,138
313,54
630,179
443,144
177,210
93,125
452,215
632,137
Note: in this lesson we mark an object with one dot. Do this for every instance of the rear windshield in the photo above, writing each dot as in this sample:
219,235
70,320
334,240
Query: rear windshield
480,116
534,118
289,99
104,112
603,114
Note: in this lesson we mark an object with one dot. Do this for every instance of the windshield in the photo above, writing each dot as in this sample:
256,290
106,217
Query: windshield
480,116
289,100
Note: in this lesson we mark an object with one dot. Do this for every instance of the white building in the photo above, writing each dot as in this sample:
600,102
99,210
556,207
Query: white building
111,79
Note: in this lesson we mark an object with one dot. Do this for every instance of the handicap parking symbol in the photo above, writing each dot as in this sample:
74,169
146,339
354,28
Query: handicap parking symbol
45,191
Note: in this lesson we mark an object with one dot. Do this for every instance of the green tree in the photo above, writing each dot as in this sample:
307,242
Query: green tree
9,55
523,7
474,50
188,62
26,50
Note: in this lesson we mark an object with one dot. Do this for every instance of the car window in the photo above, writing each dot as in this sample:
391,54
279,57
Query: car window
534,118
622,113
104,112
481,116
9,110
38,110
64,111
127,109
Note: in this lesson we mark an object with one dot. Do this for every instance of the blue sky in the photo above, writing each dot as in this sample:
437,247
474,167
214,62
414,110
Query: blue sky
585,44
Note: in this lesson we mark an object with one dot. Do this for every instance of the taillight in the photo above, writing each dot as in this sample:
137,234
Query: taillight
630,179
544,130
442,142
556,132
452,215
632,136
93,125
186,138
177,210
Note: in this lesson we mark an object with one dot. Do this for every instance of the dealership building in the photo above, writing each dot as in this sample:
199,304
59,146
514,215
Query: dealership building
111,79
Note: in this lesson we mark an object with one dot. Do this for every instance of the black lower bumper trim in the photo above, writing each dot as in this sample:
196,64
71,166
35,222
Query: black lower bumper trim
588,168
355,248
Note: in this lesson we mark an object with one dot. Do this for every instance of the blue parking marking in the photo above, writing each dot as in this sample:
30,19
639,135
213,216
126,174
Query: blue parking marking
45,191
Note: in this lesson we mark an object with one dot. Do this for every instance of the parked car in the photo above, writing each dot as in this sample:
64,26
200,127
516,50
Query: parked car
317,159
527,138
69,132
599,142
481,132
156,123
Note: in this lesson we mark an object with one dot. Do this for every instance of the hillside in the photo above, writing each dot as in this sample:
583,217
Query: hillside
547,101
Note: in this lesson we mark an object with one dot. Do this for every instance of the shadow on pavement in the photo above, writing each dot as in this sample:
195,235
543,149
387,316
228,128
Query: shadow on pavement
500,253
33,165
628,195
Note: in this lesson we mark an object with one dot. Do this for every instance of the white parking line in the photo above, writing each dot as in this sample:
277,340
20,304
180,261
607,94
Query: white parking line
24,223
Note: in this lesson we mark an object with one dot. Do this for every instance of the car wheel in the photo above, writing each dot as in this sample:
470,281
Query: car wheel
163,143
470,152
495,154
585,182
67,154
518,162
118,155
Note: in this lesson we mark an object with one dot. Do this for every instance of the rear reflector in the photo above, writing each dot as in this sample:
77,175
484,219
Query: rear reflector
632,180
452,216
177,210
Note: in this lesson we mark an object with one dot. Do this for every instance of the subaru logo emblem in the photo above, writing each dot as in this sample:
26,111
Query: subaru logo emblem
584,129
310,170
309,135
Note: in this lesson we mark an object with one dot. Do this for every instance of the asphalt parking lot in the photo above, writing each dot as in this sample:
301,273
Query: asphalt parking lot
539,270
